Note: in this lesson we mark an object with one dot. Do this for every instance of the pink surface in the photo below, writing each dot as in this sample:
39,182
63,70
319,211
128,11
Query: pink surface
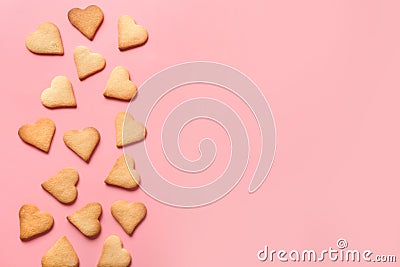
329,70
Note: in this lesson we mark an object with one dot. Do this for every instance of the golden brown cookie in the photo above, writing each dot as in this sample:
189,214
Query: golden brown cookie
59,95
128,131
119,86
128,215
45,41
120,174
113,255
87,20
62,185
86,219
61,254
129,33
33,222
40,134
87,63
82,142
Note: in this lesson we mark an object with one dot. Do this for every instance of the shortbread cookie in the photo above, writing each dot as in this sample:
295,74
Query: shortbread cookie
45,41
59,95
119,86
40,134
128,215
128,130
82,142
61,254
113,254
87,20
87,63
120,174
129,33
86,219
33,222
62,185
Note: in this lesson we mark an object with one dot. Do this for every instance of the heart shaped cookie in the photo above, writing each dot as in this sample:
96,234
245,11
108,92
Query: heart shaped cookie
45,41
86,219
119,86
87,20
128,215
129,33
33,222
120,174
40,134
61,254
128,130
87,63
62,185
59,95
113,254
82,142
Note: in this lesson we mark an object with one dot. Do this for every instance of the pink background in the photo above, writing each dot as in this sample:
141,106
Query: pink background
330,71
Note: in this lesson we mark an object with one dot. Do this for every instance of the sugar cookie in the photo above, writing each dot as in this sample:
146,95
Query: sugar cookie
33,222
62,185
40,134
87,63
45,41
120,174
61,254
87,20
119,86
128,215
59,95
86,219
129,33
128,130
82,142
113,254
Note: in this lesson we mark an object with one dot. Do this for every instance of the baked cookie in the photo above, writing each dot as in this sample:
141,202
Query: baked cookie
40,134
113,254
119,86
128,215
59,95
121,176
45,41
61,254
86,220
33,222
62,186
130,34
128,130
82,142
87,63
87,20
